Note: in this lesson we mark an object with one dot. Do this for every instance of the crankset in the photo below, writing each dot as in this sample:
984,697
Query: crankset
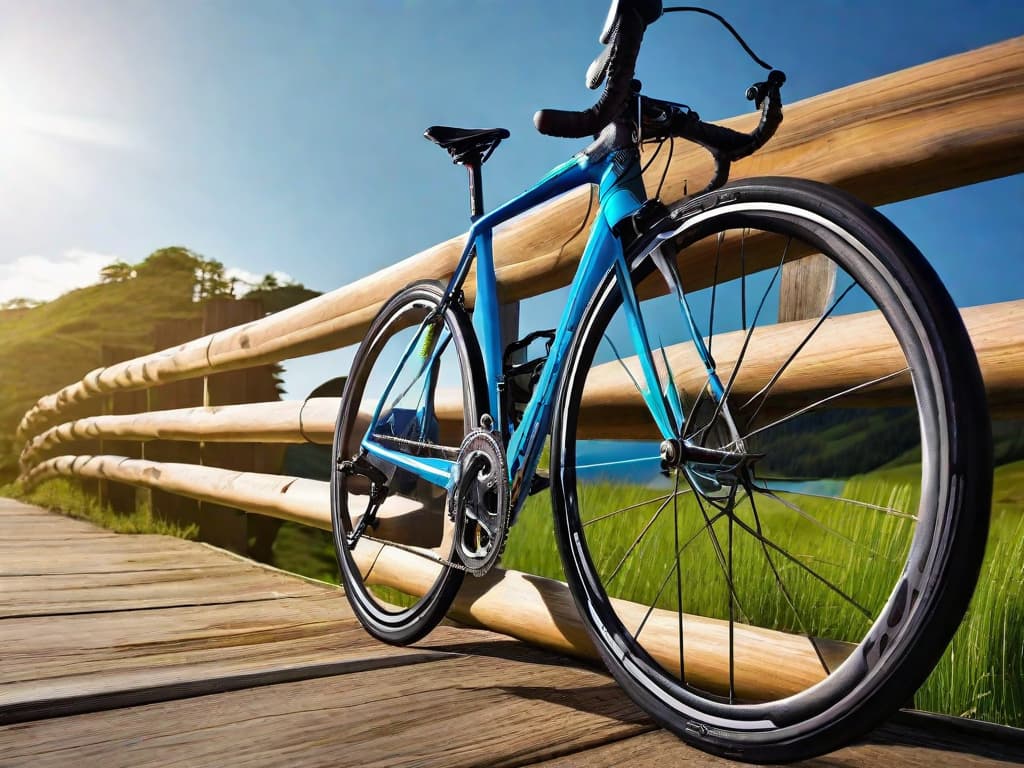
480,504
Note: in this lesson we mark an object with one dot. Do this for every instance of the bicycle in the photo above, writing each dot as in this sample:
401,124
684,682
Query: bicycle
790,533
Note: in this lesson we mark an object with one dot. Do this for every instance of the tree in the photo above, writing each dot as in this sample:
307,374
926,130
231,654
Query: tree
211,281
117,272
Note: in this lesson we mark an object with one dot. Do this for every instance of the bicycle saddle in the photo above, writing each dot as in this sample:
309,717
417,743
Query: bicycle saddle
467,146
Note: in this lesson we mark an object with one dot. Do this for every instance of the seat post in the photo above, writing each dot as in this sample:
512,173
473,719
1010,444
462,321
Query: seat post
476,190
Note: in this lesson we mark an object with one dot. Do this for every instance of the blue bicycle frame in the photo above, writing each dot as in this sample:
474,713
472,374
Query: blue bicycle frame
621,194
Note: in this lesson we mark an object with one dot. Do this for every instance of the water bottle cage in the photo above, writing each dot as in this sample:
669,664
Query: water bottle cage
522,378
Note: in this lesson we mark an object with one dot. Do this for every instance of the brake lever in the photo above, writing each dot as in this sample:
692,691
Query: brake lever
758,92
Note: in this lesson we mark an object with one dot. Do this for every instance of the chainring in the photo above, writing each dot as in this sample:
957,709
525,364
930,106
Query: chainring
480,505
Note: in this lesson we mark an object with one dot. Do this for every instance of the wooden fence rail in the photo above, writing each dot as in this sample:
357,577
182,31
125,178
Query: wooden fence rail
940,125
933,127
997,331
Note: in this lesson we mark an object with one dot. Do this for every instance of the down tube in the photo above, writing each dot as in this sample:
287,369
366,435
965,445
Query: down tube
524,449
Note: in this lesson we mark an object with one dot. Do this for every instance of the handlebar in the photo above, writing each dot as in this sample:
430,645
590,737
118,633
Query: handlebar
665,119
626,35
623,33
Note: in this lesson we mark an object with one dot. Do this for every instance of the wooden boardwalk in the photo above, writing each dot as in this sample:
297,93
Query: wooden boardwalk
146,650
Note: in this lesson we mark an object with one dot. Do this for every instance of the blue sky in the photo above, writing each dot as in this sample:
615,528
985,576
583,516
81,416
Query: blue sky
286,137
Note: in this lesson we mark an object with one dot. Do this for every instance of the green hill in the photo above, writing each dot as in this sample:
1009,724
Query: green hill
48,346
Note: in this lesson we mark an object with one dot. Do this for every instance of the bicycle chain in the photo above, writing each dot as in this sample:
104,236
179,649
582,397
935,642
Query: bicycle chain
415,551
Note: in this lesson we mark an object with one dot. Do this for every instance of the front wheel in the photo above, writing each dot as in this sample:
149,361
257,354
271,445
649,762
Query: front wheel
773,528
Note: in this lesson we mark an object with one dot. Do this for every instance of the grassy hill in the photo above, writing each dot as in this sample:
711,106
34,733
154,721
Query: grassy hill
54,344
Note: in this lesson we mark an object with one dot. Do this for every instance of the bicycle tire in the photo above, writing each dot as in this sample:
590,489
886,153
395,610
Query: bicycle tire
391,612
935,569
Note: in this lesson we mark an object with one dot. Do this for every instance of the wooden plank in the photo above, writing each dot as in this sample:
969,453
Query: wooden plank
124,556
80,662
55,594
910,744
11,530
108,638
943,124
460,712
16,508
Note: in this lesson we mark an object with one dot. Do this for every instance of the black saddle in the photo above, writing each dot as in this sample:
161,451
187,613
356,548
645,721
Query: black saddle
467,146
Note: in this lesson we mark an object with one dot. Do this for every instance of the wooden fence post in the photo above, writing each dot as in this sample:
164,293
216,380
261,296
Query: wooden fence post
180,394
225,526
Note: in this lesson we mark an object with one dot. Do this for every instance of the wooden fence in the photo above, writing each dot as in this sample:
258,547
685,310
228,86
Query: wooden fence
940,125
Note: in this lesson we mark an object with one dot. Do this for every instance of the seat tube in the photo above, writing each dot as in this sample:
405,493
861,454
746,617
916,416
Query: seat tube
486,319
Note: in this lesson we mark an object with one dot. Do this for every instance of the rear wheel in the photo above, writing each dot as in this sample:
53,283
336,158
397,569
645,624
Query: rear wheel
403,571
794,569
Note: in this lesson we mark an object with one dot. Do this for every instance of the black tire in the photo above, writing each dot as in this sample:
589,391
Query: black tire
387,612
901,593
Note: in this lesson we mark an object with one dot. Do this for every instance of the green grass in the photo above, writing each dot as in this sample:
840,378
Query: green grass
68,498
307,551
982,672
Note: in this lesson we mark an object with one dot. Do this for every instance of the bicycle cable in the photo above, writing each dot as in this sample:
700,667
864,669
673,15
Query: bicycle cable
712,14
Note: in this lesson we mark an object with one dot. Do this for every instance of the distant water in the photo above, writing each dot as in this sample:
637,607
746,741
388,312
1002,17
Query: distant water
639,463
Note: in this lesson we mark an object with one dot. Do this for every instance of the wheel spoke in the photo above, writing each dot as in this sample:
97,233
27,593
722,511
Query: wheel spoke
637,540
784,590
800,564
714,289
679,579
732,619
710,522
767,388
842,499
716,544
819,403
743,279
746,339
627,509
815,521
618,357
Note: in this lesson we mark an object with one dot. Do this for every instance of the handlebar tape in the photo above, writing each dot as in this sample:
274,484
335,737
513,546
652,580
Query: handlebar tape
574,125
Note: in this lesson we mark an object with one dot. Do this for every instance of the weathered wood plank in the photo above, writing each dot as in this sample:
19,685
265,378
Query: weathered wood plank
105,555
23,530
108,638
460,712
46,595
15,508
87,662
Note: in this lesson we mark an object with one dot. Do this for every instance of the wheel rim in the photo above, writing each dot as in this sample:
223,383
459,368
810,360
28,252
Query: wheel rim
414,521
750,514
